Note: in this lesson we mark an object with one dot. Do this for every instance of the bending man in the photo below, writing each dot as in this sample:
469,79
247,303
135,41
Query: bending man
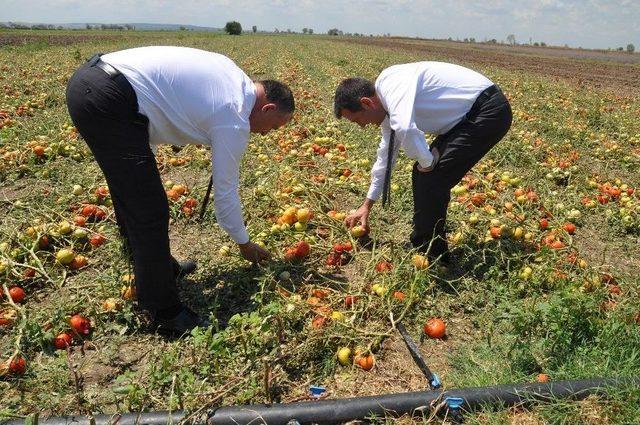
124,101
468,113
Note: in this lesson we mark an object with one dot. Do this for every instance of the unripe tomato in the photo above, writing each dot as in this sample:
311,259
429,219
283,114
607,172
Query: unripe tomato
344,356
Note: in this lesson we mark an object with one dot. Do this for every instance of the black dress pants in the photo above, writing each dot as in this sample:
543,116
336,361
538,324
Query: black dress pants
104,109
460,149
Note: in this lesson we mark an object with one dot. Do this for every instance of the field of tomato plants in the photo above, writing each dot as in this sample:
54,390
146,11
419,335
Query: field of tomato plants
543,286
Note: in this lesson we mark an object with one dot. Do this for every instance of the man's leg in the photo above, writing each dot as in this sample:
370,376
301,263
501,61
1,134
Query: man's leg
118,137
430,202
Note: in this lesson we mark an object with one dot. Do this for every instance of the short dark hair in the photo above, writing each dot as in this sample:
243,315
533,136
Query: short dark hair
349,92
280,94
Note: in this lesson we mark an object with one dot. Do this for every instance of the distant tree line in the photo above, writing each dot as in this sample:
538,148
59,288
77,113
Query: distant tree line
124,27
13,25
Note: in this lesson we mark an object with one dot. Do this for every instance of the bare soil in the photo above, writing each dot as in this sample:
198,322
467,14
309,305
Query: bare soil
595,69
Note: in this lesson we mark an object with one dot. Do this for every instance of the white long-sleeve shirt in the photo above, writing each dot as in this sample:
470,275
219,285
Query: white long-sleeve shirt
421,97
199,97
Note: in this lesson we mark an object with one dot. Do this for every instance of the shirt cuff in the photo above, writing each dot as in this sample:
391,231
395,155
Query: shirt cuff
240,237
374,192
426,162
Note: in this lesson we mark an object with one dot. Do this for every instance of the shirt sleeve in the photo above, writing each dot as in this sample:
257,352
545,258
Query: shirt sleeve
227,147
380,166
398,96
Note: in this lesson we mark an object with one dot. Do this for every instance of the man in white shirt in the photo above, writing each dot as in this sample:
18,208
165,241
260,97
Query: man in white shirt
123,102
467,112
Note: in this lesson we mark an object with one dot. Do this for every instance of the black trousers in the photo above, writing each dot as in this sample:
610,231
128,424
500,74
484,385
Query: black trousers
460,149
104,109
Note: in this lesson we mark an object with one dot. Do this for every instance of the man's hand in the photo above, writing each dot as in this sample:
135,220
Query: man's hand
436,157
253,252
361,216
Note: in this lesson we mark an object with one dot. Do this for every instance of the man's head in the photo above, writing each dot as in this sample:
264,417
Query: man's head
273,108
357,101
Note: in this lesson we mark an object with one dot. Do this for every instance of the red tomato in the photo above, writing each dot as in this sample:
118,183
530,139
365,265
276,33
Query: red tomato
318,322
366,362
17,294
100,214
383,266
398,295
89,210
302,249
62,341
569,227
80,221
43,242
435,328
190,203
350,300
544,223
290,254
319,293
18,365
542,377
333,259
80,325
97,240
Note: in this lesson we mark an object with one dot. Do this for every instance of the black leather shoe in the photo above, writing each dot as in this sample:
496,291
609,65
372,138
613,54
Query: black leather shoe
182,268
182,323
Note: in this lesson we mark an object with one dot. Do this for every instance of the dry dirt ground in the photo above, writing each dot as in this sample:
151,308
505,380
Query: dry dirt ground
605,71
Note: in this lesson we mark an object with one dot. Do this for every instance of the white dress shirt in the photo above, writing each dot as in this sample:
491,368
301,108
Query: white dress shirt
199,97
421,97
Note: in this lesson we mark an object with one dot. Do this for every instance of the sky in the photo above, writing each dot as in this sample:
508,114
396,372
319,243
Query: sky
578,23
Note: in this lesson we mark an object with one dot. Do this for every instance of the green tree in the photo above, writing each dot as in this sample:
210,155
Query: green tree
254,29
233,28
631,48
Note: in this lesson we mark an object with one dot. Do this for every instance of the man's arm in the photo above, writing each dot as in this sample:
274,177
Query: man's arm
227,147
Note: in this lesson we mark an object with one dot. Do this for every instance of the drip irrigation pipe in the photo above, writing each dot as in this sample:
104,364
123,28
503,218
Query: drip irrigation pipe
451,402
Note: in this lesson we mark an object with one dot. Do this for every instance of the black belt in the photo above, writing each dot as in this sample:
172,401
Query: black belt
111,71
108,69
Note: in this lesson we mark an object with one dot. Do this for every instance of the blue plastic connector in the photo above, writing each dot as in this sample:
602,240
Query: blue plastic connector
454,403
317,391
435,382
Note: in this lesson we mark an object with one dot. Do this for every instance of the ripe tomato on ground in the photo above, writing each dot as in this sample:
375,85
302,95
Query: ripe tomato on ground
17,294
81,325
366,362
435,328
62,341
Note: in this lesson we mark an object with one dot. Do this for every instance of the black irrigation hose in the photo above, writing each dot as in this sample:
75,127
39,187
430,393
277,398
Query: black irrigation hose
451,402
